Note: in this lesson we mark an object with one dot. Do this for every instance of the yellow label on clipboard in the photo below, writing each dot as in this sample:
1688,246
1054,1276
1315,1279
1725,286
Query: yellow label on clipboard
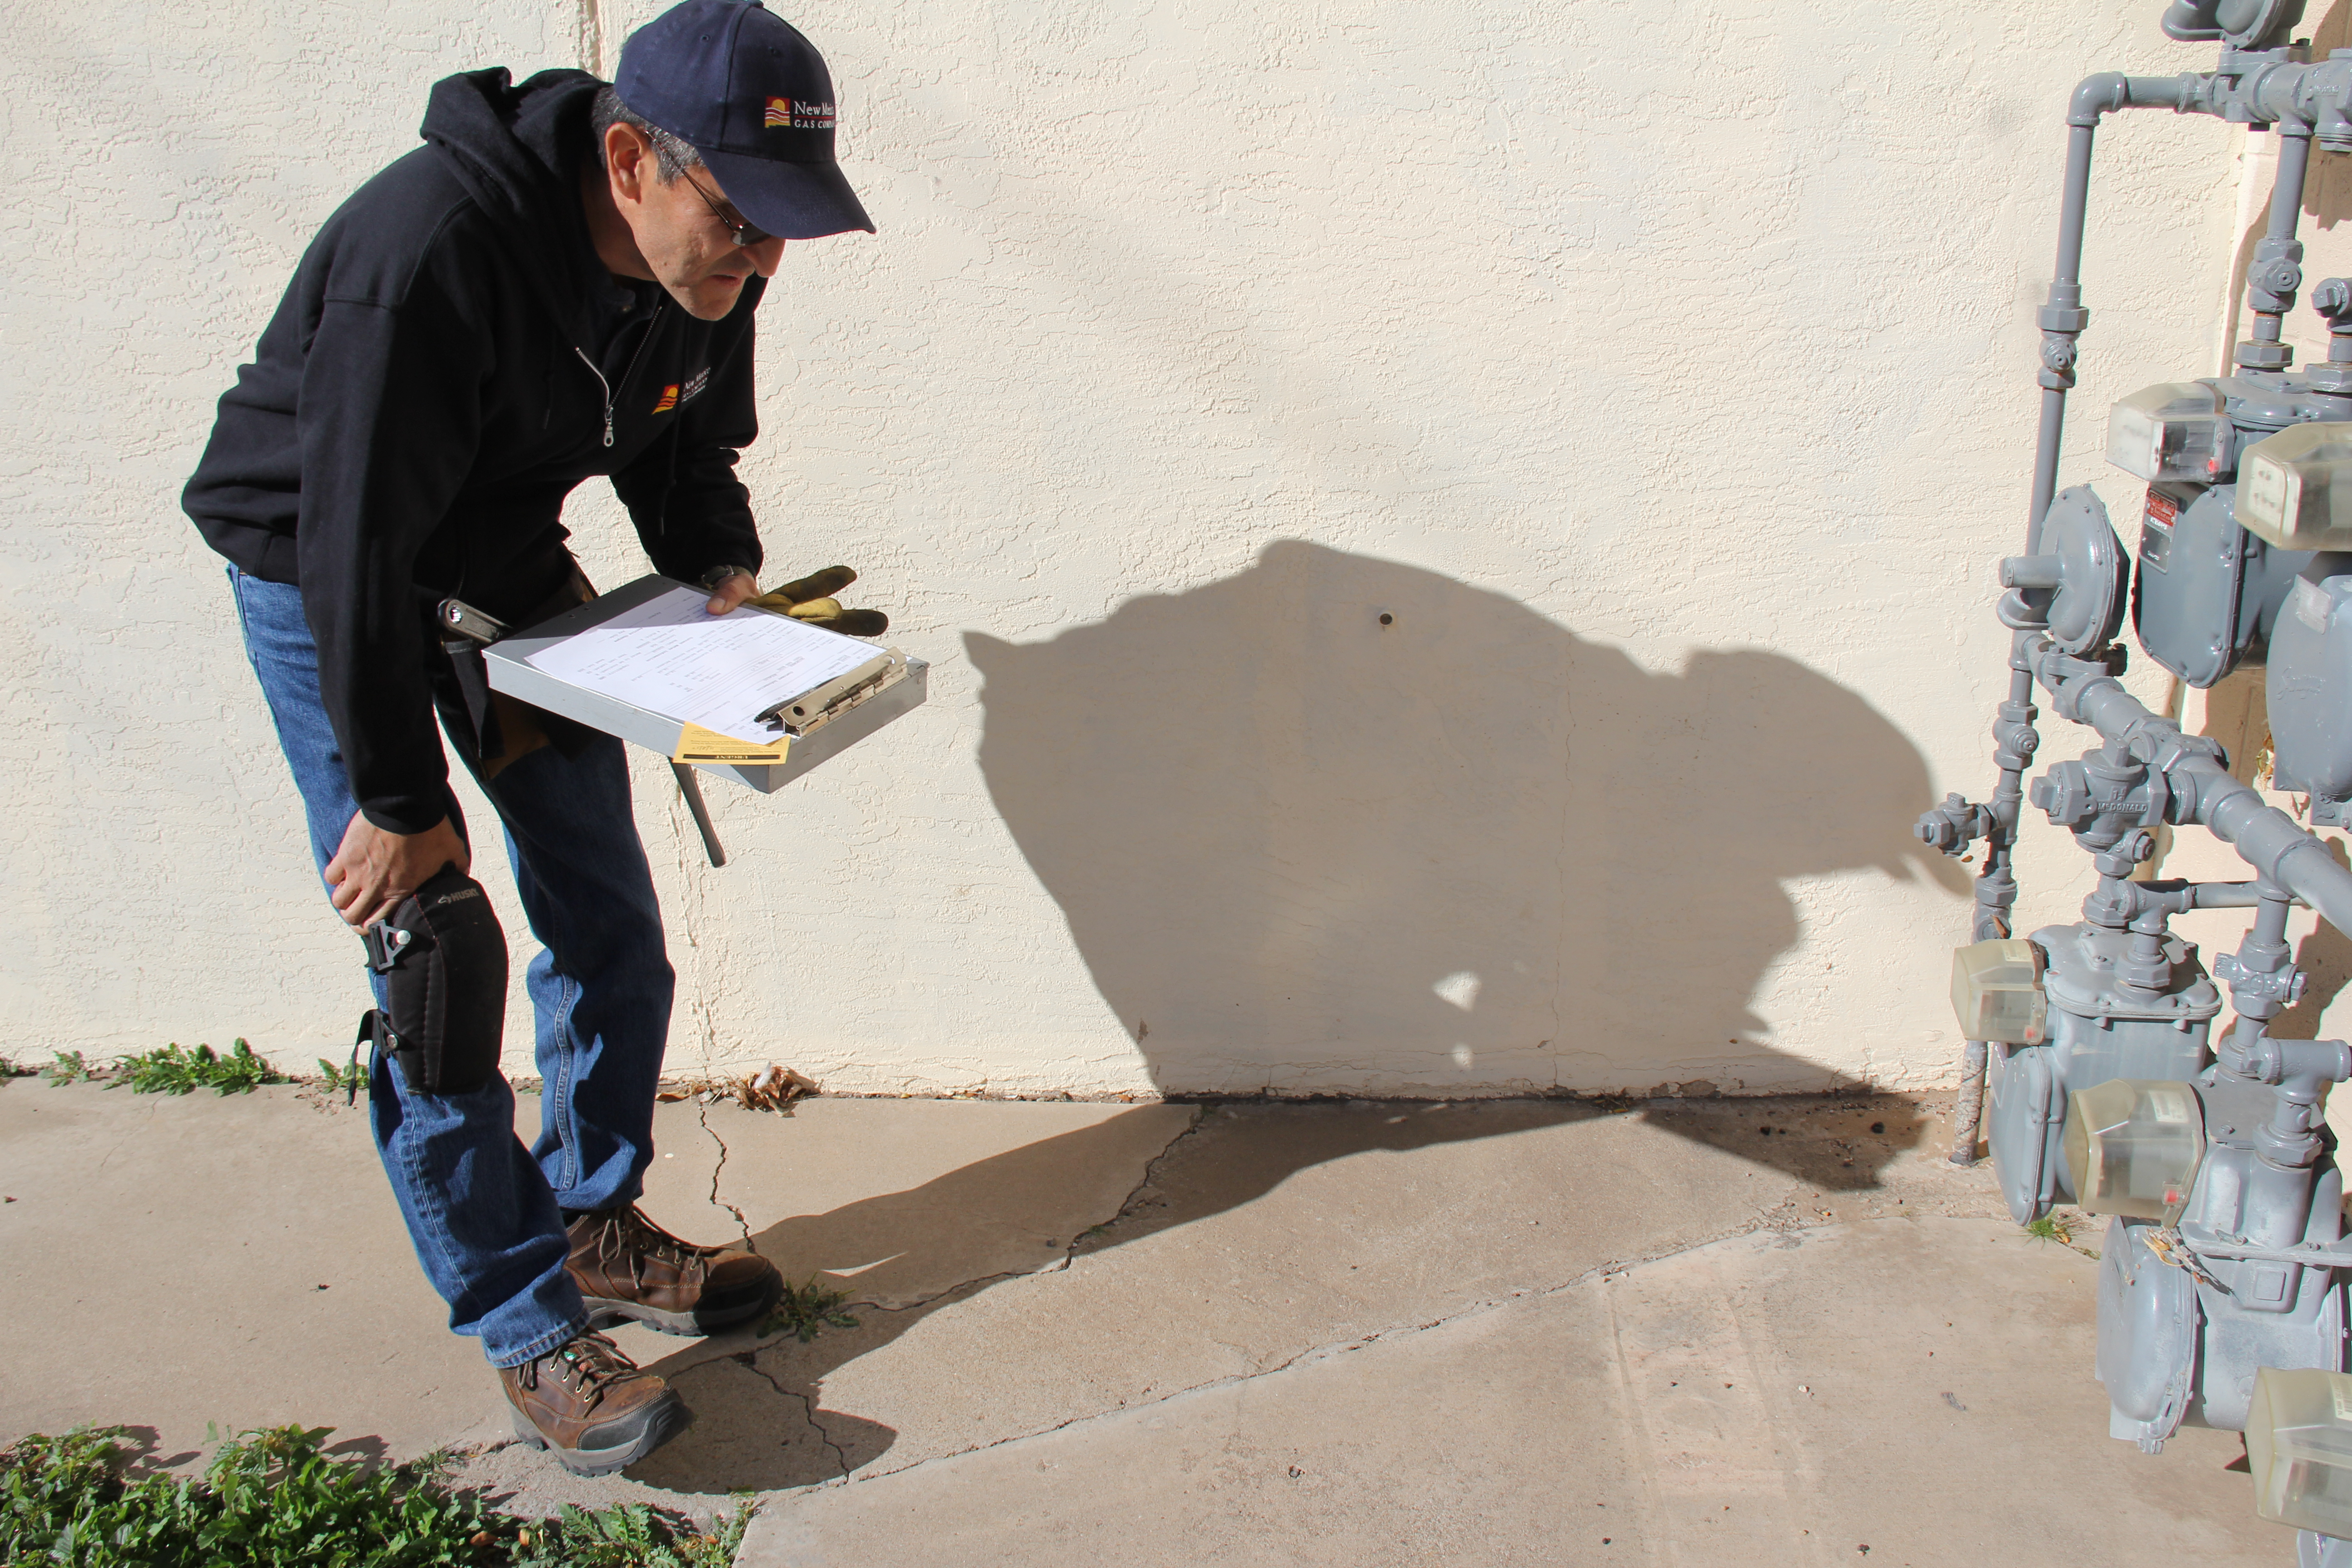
696,744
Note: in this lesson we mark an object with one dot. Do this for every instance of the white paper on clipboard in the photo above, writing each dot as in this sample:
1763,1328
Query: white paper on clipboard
670,655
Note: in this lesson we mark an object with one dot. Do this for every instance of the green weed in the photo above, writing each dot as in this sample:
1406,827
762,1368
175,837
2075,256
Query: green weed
2051,1227
169,1070
630,1535
275,1498
804,1310
68,1068
353,1079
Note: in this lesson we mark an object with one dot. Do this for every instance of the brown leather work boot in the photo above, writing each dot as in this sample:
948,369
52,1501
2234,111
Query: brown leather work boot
631,1269
589,1405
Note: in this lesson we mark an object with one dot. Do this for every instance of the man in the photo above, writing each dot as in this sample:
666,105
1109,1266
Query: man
560,283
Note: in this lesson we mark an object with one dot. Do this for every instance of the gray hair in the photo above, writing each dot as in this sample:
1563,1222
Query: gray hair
673,156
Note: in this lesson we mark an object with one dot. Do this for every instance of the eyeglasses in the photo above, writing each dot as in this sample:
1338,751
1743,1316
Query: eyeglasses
739,232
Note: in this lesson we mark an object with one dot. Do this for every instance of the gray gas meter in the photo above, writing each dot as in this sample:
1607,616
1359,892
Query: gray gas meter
2222,1296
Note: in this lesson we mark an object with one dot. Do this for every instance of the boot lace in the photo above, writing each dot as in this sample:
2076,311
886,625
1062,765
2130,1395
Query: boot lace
585,1364
630,1235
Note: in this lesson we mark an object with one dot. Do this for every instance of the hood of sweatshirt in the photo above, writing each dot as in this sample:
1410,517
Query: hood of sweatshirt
516,148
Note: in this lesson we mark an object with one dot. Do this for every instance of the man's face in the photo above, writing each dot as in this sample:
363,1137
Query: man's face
686,243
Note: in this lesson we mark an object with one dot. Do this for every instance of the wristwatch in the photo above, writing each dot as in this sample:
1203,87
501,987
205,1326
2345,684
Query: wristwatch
718,574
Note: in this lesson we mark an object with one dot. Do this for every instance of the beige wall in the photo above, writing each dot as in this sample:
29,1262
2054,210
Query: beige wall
1667,381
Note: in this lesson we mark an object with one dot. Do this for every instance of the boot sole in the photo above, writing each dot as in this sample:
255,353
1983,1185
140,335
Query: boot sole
604,1313
663,1421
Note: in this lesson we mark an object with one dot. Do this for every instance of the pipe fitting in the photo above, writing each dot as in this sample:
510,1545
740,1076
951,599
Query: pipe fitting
2095,95
2257,992
2107,91
2266,837
1953,825
2191,21
2300,1066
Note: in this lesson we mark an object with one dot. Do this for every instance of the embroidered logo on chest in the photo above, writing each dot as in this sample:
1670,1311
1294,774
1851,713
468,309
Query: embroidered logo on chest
682,391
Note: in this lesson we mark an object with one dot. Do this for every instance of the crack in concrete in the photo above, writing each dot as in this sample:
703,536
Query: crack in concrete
128,1137
1142,1186
1150,1168
1069,1252
973,1286
749,1360
702,1114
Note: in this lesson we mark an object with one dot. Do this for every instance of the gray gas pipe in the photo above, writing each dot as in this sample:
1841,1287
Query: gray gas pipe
2222,1296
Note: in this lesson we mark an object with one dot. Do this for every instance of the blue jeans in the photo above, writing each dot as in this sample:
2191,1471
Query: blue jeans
483,1212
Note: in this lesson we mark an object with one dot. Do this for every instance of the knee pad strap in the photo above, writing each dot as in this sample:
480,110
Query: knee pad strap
443,959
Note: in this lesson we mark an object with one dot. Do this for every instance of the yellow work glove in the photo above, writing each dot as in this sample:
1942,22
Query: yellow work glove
810,599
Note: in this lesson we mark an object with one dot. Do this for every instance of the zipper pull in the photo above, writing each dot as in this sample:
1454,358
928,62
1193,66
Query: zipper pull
603,383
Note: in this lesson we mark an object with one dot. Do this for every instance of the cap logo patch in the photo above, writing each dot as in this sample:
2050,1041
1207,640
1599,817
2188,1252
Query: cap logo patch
797,114
669,399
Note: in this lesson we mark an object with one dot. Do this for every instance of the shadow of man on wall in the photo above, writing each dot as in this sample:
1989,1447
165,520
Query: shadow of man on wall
1336,822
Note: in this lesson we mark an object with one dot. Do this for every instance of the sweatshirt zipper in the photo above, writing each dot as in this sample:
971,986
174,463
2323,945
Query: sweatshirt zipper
603,383
634,360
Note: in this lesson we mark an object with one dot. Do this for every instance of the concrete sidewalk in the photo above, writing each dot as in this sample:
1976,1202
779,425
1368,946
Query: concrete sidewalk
1470,1334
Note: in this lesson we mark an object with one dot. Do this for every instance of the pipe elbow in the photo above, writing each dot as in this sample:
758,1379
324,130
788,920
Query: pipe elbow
2191,21
2109,90
2101,93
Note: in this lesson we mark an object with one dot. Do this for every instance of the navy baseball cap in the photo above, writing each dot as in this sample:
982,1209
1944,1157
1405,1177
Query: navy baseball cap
739,84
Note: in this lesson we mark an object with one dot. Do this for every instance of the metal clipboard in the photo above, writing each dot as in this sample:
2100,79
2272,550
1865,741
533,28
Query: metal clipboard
836,720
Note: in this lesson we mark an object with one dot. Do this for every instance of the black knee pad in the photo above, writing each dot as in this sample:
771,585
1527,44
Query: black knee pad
443,959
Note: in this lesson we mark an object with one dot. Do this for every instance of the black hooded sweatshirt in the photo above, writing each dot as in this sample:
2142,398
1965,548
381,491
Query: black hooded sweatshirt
450,360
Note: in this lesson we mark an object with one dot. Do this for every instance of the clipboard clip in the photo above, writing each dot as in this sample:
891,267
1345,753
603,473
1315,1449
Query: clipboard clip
797,716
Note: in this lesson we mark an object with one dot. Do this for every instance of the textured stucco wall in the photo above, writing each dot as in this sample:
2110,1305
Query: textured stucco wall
1662,371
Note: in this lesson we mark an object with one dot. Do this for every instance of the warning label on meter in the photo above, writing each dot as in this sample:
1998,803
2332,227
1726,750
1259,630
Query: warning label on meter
2156,530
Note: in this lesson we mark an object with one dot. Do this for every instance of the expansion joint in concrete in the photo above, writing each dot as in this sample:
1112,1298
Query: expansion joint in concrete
1755,1225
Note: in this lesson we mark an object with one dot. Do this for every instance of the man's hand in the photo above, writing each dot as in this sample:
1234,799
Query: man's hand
732,592
374,870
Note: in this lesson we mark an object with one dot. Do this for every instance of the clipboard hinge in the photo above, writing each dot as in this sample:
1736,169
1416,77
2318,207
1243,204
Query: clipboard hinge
811,710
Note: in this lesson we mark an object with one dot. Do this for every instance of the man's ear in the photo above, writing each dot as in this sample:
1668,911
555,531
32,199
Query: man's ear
624,159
